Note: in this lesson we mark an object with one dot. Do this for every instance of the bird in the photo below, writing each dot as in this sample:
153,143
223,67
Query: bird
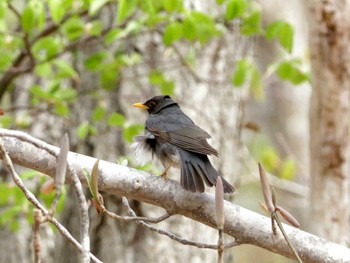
178,142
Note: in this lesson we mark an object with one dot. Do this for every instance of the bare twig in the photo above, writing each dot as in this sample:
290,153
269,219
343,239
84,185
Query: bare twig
31,198
84,215
171,235
270,205
220,216
36,236
14,10
274,215
60,170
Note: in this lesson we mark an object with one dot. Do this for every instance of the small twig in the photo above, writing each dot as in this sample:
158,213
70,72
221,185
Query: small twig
14,10
31,197
83,213
136,218
272,208
61,170
171,235
274,215
36,235
220,216
28,48
220,247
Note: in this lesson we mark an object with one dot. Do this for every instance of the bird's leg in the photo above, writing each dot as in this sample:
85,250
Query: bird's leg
166,170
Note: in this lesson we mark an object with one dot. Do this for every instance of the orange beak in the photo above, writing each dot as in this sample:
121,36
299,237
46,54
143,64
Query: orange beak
140,105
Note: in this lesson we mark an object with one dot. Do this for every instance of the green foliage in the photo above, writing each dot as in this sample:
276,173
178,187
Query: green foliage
166,86
173,32
283,31
116,119
291,70
14,204
264,152
235,8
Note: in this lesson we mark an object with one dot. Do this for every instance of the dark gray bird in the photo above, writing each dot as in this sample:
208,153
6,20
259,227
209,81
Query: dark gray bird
178,142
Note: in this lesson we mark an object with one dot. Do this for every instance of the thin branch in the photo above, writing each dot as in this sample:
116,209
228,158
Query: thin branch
168,234
14,10
276,218
36,236
136,218
83,213
31,198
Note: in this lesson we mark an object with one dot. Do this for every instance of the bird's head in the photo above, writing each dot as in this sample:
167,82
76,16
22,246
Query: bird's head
155,104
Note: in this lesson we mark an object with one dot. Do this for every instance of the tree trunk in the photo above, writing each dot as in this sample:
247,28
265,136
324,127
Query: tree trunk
329,118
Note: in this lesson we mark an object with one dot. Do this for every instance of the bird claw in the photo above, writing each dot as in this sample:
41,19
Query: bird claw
164,175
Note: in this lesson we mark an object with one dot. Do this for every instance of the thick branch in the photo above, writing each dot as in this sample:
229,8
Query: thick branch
245,226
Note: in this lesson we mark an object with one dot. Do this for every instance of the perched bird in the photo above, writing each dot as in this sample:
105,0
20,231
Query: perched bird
178,142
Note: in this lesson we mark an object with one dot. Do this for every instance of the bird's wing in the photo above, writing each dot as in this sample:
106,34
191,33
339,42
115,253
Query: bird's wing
188,137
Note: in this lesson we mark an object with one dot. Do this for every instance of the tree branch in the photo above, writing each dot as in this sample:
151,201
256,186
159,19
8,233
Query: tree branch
245,226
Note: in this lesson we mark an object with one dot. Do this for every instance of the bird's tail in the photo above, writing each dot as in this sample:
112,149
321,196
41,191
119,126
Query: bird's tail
196,168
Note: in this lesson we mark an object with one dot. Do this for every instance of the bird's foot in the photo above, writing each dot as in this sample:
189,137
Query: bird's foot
164,175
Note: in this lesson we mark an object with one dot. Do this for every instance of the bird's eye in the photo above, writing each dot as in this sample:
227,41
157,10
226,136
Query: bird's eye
152,104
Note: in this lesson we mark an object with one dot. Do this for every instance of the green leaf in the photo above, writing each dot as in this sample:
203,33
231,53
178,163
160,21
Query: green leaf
273,29
156,77
61,108
46,48
36,90
73,27
131,131
189,29
125,8
3,9
5,60
116,119
113,35
43,69
290,70
241,72
57,10
94,28
96,5
8,214
28,18
172,5
95,61
256,87
66,94
199,26
109,76
269,158
235,8
288,169
220,2
65,70
285,36
33,16
251,22
83,130
167,88
172,32
98,113
284,31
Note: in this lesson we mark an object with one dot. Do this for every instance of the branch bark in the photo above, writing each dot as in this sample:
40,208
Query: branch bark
245,226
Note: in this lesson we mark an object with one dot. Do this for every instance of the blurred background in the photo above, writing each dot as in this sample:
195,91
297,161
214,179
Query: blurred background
240,69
